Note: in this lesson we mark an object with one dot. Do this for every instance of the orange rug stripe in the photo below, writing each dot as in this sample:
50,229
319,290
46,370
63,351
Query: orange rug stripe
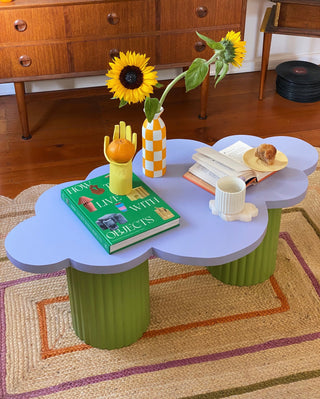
205,323
176,277
46,352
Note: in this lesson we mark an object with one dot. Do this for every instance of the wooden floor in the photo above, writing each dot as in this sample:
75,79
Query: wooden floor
68,127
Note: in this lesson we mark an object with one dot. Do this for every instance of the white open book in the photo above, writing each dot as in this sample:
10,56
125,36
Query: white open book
212,164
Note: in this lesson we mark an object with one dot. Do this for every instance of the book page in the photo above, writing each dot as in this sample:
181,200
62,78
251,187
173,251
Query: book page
215,167
204,174
222,158
236,152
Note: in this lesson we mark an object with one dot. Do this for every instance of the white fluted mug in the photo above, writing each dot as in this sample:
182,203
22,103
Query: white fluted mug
230,195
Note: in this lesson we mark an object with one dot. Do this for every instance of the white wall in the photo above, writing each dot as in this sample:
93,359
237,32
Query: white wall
283,48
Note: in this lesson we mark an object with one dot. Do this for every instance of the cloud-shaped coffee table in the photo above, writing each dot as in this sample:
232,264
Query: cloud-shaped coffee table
55,239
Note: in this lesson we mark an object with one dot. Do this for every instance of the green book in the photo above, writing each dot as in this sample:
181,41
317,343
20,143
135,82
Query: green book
118,221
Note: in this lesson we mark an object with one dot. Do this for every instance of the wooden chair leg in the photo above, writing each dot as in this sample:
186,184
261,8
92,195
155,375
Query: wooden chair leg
264,62
204,97
22,108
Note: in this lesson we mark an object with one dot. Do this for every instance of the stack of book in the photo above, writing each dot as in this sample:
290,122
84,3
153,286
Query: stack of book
210,165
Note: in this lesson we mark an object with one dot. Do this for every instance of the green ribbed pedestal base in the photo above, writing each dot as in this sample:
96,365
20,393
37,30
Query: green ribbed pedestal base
259,265
110,310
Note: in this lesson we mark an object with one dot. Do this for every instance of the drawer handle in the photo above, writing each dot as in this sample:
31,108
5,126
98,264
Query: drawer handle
113,18
20,25
199,46
25,61
202,11
114,53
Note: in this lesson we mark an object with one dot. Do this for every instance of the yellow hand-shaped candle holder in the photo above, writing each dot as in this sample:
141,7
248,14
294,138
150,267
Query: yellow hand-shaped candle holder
120,173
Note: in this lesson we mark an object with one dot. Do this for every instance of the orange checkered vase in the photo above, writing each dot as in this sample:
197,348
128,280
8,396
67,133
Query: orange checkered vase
154,147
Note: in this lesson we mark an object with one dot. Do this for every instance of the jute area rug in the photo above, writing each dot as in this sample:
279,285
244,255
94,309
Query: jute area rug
206,339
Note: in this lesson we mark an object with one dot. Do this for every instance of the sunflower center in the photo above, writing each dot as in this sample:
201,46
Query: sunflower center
131,77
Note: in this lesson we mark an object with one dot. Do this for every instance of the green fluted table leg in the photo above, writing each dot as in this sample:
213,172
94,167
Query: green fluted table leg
110,310
257,266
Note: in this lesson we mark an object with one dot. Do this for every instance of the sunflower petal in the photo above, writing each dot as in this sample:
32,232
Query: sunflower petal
130,78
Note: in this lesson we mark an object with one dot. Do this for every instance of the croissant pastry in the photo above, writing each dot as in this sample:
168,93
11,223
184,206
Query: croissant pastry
267,153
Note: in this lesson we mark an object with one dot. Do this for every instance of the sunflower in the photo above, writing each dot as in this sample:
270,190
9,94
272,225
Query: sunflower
234,48
131,80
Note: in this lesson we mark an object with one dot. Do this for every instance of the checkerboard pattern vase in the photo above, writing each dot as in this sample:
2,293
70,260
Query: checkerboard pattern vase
154,147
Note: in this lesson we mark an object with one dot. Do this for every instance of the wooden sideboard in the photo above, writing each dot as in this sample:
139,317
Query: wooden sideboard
51,39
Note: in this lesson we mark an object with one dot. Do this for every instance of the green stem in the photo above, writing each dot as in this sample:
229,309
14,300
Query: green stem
215,55
170,86
179,77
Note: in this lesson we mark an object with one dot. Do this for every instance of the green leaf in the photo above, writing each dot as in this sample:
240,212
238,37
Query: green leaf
196,73
151,107
218,65
223,73
122,103
158,85
211,43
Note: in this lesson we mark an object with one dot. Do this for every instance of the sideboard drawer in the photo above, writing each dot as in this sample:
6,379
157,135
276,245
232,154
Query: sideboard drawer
23,25
110,19
48,39
199,13
193,47
95,55
27,61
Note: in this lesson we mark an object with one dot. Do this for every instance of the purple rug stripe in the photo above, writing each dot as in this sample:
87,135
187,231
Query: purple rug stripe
3,347
277,343
33,277
167,365
286,236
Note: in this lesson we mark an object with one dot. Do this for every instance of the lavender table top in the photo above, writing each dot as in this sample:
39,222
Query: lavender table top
55,239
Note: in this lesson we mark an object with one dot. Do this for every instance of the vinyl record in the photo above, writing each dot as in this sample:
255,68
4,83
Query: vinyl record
299,72
298,81
297,95
303,90
295,86
296,99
